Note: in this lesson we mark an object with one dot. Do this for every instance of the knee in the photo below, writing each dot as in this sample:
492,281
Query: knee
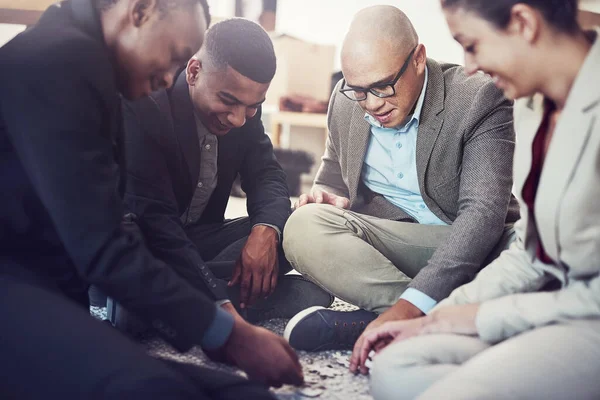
304,229
386,373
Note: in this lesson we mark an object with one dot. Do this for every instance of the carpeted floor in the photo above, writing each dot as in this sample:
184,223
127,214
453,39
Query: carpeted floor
326,373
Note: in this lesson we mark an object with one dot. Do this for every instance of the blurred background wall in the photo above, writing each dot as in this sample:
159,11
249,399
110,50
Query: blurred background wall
307,35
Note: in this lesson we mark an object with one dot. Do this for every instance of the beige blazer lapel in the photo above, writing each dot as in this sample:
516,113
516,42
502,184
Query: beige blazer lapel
358,141
571,134
431,120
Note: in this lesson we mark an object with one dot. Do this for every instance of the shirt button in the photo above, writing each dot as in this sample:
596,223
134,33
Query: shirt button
200,184
400,175
190,220
422,206
399,145
207,147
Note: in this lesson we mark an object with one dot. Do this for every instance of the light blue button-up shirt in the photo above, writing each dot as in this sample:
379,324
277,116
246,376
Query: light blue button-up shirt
390,169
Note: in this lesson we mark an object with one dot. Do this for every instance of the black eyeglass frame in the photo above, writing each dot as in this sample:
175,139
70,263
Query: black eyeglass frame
372,89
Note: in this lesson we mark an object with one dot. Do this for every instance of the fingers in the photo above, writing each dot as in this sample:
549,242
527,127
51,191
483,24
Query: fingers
294,376
266,286
237,274
274,278
322,197
382,344
335,200
342,202
354,358
256,289
318,195
302,200
305,199
369,341
245,287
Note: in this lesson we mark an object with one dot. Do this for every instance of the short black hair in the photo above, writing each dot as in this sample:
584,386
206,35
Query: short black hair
560,14
163,6
244,46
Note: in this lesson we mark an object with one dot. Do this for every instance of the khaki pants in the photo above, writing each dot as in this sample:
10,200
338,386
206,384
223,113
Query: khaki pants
559,361
364,260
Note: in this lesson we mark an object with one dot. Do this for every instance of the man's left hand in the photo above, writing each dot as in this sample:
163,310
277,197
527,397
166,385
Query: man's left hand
257,269
402,310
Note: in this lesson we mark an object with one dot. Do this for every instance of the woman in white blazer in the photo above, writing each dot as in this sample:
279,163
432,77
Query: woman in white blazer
528,327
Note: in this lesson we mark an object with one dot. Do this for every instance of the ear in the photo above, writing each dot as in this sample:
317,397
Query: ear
140,11
192,71
420,58
525,21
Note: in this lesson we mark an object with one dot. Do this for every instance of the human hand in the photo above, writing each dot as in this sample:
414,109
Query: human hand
322,197
257,268
264,356
402,310
451,319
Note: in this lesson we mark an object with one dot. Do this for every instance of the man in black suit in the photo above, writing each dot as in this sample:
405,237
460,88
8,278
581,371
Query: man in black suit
186,146
61,213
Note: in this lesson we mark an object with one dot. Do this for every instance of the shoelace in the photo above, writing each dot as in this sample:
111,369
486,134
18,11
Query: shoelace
346,334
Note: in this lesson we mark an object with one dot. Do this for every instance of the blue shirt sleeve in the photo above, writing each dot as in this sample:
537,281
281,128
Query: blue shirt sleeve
419,299
219,330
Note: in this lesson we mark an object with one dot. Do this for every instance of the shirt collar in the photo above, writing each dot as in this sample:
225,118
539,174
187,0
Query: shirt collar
200,128
416,115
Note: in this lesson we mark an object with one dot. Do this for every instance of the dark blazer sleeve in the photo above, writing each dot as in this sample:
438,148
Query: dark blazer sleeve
484,193
58,129
151,197
263,179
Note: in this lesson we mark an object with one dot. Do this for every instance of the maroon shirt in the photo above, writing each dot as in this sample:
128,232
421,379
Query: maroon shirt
533,179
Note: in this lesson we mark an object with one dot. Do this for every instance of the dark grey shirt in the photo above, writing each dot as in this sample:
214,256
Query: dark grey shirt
207,179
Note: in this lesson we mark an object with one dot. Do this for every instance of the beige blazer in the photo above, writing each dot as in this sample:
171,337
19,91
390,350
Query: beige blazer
567,212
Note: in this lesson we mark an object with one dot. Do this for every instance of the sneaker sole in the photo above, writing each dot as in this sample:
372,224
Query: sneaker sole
297,319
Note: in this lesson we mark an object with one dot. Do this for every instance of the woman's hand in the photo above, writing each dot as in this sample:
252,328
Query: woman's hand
452,319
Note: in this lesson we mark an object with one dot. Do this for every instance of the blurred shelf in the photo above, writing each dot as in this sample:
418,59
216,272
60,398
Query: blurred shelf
282,121
22,12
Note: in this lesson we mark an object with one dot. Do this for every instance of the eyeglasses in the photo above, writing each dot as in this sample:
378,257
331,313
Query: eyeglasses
381,90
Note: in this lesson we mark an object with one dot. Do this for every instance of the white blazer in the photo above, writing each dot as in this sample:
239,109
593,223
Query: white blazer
567,212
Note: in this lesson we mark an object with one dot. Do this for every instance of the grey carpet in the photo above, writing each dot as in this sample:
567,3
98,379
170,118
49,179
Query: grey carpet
326,373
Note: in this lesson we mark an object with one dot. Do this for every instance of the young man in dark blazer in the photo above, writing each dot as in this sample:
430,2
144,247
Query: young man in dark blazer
61,216
187,145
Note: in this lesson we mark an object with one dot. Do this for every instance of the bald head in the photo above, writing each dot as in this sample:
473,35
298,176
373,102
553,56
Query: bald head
377,31
383,64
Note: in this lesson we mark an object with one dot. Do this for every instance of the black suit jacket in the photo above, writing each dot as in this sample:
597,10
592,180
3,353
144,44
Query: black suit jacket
60,208
163,165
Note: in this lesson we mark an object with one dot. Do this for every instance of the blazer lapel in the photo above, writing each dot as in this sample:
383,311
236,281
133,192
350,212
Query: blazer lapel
358,141
528,114
571,134
431,120
184,126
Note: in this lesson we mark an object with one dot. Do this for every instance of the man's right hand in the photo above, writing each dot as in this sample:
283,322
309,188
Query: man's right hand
264,356
322,197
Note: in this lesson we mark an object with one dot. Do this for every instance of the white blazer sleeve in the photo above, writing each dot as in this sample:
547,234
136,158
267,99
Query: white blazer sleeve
512,272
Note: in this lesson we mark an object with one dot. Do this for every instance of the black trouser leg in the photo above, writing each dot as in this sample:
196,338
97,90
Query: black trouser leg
52,349
220,245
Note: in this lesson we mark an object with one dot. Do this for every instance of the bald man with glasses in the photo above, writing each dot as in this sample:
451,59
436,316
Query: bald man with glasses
413,195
